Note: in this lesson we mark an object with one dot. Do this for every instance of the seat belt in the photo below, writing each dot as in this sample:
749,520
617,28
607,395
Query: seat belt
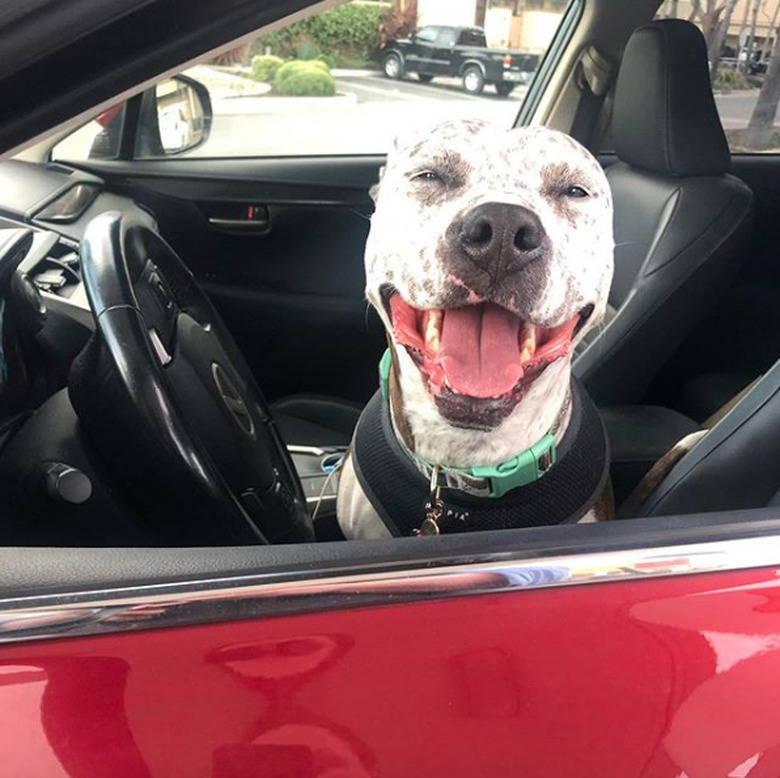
593,76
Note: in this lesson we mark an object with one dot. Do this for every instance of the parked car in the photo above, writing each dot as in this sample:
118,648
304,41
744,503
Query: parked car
145,629
458,52
758,63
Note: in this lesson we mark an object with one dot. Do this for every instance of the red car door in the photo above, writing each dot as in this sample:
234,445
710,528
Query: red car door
662,662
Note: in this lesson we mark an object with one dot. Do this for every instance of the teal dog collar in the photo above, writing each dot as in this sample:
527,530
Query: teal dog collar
490,481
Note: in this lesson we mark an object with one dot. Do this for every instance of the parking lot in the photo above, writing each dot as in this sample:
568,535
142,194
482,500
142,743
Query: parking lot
367,113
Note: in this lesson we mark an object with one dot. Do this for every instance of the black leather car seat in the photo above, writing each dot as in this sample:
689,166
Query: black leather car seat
315,420
681,222
734,466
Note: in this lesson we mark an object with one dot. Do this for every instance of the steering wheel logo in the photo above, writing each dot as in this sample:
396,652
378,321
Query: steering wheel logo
233,400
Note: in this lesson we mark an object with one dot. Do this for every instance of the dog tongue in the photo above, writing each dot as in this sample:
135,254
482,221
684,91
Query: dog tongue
479,350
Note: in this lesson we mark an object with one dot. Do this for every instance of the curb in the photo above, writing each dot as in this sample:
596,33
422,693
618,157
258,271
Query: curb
260,105
347,72
243,71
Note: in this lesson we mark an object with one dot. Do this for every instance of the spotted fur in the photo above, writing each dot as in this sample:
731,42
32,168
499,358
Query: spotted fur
411,247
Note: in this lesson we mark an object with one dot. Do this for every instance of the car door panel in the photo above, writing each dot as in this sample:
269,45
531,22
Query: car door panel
291,285
608,664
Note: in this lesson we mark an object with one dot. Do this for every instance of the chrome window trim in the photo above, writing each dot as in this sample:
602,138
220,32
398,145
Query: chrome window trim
273,595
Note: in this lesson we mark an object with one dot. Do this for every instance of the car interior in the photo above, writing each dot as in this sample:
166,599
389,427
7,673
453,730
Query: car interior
111,268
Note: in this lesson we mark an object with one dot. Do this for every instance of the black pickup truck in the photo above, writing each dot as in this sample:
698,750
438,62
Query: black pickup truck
459,52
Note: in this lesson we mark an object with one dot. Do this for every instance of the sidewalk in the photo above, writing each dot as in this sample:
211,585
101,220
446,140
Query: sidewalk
233,91
247,104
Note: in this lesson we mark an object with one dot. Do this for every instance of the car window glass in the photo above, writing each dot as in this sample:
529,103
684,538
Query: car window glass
447,36
427,35
471,38
99,138
348,80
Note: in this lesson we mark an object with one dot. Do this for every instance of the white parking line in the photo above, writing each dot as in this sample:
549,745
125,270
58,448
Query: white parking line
395,93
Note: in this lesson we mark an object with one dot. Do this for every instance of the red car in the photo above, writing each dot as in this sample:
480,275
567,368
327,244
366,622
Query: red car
158,618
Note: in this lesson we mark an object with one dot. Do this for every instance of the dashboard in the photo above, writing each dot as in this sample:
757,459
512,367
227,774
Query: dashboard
56,202
45,323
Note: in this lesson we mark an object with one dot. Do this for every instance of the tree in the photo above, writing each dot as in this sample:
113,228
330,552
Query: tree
706,16
760,129
718,37
751,39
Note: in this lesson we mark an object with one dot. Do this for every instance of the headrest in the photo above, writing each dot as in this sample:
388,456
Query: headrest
664,117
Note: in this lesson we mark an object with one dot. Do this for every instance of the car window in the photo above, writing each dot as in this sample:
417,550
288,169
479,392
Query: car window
427,35
347,81
740,39
471,38
447,36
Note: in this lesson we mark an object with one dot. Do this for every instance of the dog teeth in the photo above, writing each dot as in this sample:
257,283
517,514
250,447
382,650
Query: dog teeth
527,343
433,331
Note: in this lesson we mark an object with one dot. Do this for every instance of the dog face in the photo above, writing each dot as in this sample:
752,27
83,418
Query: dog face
489,256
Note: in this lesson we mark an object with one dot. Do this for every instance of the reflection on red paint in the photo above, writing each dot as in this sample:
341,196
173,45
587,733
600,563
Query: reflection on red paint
659,677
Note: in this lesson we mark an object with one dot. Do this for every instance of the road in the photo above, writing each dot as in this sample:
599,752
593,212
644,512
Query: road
735,108
371,111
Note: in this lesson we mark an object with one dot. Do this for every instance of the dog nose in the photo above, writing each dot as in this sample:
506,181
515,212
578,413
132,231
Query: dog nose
496,236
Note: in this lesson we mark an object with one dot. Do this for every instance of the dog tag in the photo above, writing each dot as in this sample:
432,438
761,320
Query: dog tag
434,508
429,527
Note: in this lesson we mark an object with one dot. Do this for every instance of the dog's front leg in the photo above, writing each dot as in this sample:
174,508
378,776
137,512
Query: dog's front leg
356,516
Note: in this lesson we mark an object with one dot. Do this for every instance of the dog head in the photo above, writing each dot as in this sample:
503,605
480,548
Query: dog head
488,258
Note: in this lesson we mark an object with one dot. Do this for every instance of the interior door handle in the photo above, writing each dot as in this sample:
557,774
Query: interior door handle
240,225
242,218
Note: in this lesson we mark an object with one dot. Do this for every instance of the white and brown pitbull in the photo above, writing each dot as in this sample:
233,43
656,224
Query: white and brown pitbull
489,257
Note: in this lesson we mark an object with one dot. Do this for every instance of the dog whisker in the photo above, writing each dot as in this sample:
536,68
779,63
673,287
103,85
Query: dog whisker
366,216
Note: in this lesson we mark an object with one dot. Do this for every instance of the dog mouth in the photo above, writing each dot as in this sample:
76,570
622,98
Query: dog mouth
478,360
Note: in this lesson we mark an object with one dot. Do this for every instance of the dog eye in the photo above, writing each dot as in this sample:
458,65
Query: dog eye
576,191
427,175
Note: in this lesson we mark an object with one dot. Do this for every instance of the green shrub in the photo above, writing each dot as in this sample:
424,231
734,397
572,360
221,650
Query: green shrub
730,79
345,36
307,50
264,68
298,79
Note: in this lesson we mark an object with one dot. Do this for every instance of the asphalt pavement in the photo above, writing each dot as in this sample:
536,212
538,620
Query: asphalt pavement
735,108
363,119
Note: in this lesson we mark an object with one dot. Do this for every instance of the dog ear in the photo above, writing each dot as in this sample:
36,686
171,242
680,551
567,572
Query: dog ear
374,190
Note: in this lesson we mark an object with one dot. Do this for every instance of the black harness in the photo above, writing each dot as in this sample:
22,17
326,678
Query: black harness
400,493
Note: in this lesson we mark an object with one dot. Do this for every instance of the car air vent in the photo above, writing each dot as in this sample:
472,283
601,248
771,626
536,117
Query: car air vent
59,273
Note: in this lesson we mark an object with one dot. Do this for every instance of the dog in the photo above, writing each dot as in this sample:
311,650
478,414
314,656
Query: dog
489,257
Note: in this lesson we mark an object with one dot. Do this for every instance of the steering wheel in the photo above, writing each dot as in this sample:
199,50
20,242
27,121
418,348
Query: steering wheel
164,395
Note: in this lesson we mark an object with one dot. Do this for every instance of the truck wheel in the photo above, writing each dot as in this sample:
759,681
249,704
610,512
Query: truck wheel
393,66
473,80
504,89
426,78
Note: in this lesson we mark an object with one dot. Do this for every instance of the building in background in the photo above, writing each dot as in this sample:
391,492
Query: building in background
528,25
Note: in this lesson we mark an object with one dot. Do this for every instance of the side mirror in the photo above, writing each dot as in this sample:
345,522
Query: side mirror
175,118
